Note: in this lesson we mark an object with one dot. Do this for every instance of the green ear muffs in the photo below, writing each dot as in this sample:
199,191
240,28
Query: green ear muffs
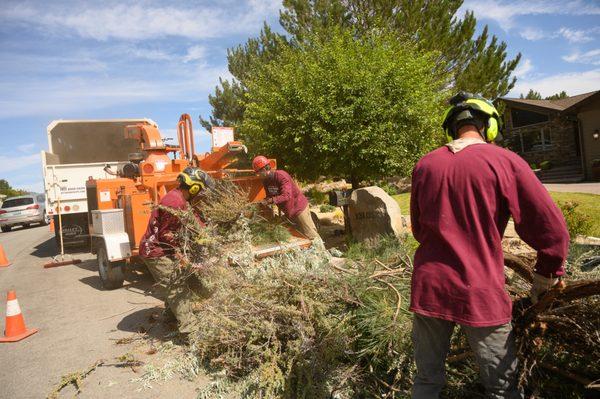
194,185
469,102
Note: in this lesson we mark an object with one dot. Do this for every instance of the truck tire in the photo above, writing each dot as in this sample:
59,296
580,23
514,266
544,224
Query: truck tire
6,229
111,273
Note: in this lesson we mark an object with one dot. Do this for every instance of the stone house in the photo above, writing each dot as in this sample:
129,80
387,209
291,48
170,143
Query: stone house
564,132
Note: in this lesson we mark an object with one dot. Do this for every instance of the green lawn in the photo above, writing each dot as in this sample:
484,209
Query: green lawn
404,202
588,204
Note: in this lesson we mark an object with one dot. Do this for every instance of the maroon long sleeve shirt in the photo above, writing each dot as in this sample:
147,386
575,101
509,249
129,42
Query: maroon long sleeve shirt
460,206
159,238
280,186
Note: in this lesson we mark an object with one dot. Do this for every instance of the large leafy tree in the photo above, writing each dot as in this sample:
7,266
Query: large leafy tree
345,107
475,63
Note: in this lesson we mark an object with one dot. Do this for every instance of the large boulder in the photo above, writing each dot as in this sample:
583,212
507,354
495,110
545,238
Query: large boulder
373,213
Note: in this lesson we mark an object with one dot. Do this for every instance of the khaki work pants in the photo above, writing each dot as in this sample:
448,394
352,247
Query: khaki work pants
305,225
494,349
179,299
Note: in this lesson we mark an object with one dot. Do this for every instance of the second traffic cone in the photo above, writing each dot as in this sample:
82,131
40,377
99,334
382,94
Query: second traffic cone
3,259
15,329
52,225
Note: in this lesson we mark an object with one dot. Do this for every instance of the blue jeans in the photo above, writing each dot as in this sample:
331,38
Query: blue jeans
494,349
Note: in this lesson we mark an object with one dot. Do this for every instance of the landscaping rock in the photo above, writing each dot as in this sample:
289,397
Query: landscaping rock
374,213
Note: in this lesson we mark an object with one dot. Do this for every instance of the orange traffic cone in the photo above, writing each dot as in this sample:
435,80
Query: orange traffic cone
3,259
52,225
15,329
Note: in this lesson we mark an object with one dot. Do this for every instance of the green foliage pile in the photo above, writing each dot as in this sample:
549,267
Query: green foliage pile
268,232
293,326
299,326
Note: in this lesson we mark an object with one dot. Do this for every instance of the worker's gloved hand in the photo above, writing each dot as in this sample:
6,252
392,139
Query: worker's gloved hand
540,285
267,201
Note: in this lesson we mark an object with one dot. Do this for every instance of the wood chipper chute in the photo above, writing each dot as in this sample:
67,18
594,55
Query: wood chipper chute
119,208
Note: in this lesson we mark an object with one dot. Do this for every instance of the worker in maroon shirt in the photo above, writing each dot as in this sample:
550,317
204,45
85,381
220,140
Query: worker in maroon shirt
283,192
158,245
463,195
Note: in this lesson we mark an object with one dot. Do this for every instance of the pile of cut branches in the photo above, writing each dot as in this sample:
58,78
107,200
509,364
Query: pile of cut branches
559,337
299,326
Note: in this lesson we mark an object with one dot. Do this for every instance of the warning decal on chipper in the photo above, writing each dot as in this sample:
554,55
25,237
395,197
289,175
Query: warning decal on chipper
104,196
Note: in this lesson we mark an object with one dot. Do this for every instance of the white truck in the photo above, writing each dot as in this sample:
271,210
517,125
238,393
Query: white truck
77,151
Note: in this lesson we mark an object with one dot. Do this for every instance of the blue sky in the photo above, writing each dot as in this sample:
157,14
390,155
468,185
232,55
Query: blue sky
158,59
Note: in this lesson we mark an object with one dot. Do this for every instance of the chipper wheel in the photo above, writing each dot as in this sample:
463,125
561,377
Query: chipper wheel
112,274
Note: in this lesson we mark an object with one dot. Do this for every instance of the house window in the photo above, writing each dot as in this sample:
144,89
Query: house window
535,140
521,117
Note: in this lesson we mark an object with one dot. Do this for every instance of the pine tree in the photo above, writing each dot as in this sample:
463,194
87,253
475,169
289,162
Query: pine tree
558,96
477,64
532,95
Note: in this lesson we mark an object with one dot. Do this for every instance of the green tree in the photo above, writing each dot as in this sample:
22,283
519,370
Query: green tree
531,95
476,63
345,107
558,96
6,189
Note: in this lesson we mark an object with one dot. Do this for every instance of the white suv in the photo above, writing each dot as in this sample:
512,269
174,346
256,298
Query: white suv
23,211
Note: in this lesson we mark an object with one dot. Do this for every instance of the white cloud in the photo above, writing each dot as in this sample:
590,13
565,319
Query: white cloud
145,20
149,54
573,83
576,35
12,163
532,34
26,147
65,63
524,68
589,57
505,12
61,97
195,53
571,35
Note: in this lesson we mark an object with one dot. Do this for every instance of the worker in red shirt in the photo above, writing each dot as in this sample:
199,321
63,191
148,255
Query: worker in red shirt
285,193
159,243
463,195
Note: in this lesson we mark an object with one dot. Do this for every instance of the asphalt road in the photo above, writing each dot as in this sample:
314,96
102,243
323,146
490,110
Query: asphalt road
79,324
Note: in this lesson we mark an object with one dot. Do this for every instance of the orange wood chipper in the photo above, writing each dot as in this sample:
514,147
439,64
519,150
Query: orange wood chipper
119,208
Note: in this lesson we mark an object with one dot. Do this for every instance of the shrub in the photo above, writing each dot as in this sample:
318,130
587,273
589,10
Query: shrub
326,208
389,188
317,197
578,222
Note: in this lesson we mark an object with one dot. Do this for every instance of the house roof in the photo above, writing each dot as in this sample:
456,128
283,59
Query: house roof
556,105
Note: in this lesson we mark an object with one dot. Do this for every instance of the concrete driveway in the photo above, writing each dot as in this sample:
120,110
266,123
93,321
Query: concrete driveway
79,324
590,188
